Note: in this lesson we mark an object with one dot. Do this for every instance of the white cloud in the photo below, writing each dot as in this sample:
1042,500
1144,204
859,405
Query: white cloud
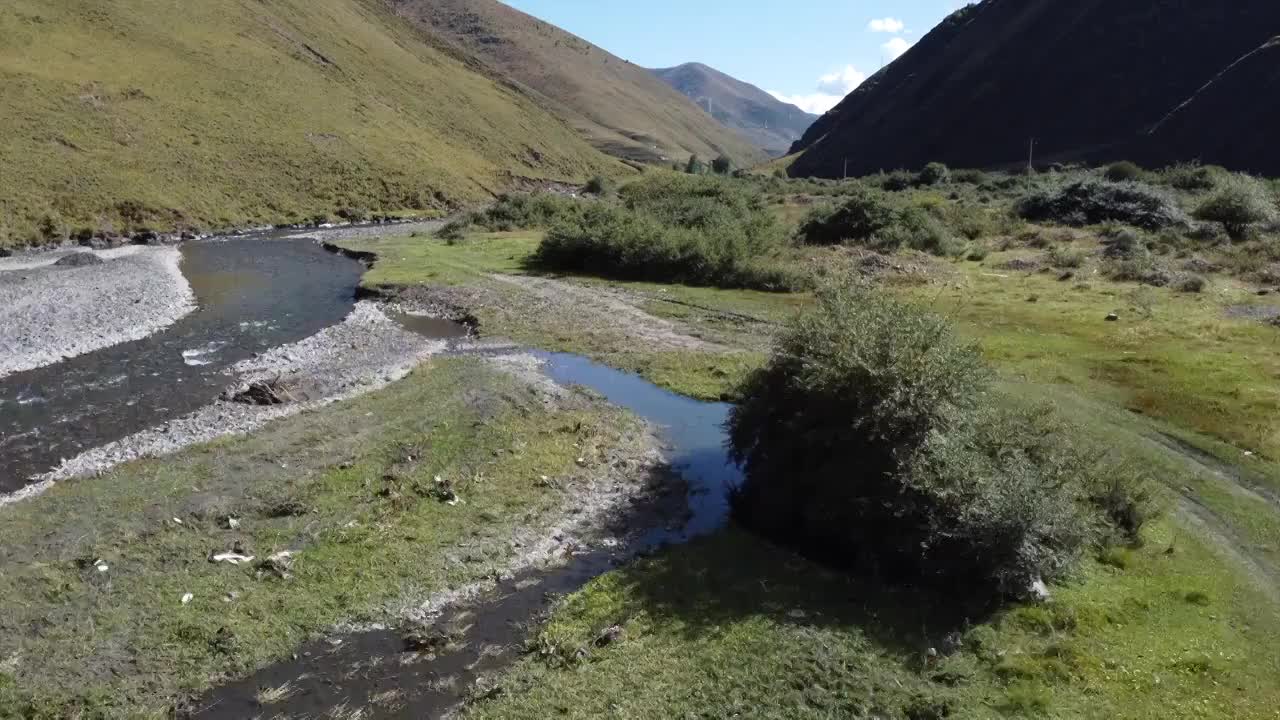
831,89
895,48
841,82
887,25
817,103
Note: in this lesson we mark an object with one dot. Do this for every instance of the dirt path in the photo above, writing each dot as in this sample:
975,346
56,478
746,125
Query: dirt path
597,307
1195,515
1200,520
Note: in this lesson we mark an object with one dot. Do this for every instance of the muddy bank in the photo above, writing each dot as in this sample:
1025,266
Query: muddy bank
50,310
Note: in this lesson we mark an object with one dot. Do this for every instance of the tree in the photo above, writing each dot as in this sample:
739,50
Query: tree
694,166
722,165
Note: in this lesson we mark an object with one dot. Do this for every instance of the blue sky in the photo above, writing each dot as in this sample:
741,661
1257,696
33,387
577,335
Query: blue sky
811,52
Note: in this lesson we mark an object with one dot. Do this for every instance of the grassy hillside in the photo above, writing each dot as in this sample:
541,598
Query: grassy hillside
621,108
766,120
125,113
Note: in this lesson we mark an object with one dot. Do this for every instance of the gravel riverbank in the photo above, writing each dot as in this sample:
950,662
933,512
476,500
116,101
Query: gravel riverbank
49,312
365,352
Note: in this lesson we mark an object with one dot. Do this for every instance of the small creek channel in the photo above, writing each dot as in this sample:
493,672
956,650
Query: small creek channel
375,672
262,291
253,293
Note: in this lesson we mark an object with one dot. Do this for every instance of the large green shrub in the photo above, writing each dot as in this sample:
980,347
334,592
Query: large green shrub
1239,202
1123,171
1191,177
600,186
935,173
870,218
873,440
1090,202
517,212
859,219
696,230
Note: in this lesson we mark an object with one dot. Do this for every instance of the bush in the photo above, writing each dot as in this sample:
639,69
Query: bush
1239,202
935,173
860,218
970,177
1124,243
897,181
871,219
702,231
872,440
1090,202
1067,258
1123,171
517,212
971,221
600,185
1193,284
916,229
722,165
1191,177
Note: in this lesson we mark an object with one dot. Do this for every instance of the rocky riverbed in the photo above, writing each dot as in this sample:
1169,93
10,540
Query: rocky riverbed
55,308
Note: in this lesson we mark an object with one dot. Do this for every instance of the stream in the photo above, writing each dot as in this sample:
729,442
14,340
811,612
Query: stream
253,293
479,637
263,291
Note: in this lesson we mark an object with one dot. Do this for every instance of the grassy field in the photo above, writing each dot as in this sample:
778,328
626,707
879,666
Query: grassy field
94,622
229,113
1173,627
733,627
734,324
620,107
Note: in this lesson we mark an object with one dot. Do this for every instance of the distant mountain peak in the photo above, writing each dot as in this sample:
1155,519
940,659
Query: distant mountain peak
769,122
620,107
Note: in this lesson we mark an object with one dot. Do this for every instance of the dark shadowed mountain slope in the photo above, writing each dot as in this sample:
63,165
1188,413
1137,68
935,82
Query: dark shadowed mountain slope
1232,121
1085,78
620,107
764,119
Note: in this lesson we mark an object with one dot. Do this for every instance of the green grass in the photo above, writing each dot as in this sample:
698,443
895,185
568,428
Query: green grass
715,628
731,626
740,319
229,113
1173,356
337,485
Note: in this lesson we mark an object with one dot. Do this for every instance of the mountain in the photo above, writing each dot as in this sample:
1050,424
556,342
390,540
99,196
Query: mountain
1231,121
765,120
621,108
1086,79
119,114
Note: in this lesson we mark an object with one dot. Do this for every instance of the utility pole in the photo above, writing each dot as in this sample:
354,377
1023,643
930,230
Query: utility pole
1031,157
846,167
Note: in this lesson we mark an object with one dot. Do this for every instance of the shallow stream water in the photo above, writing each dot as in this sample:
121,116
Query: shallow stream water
253,293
